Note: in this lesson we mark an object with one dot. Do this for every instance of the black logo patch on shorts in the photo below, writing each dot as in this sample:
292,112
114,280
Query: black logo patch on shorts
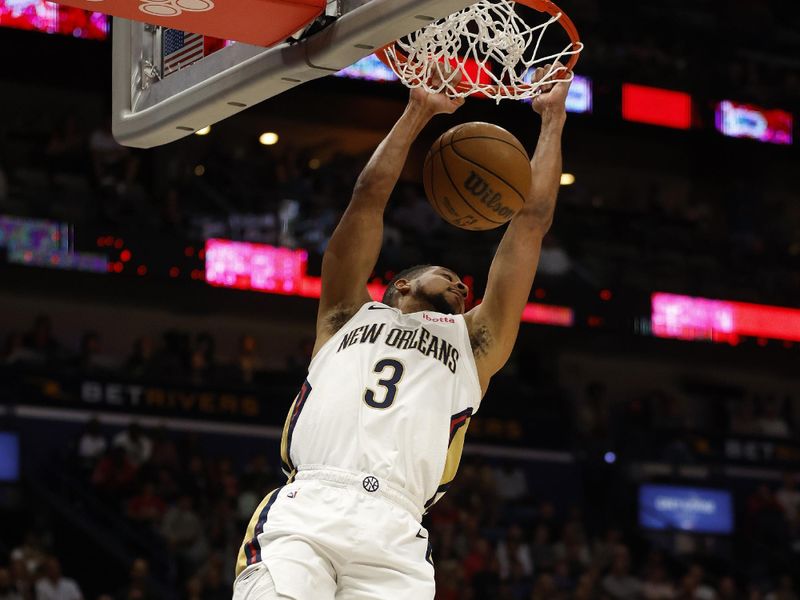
370,483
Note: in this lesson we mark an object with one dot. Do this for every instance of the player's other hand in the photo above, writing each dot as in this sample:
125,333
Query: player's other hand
441,103
552,97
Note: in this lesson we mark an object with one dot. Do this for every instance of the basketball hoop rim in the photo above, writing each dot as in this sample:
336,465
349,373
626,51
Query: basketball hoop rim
543,6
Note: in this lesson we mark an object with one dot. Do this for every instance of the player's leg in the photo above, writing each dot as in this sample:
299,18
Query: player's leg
280,540
396,563
256,584
295,571
374,582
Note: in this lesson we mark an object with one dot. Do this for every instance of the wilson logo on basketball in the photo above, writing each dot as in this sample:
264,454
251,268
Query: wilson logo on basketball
477,186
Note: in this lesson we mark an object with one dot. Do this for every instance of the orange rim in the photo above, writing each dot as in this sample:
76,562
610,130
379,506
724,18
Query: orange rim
543,6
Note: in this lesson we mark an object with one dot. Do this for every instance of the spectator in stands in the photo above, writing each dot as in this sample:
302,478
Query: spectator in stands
788,497
167,486
137,445
16,351
784,591
165,451
772,423
214,585
572,548
727,590
147,507
31,554
195,479
139,586
8,590
91,357
542,553
512,550
41,341
185,534
765,518
743,418
92,444
247,360
693,585
619,583
545,589
54,586
478,559
203,359
449,581
511,483
114,474
142,361
21,578
194,589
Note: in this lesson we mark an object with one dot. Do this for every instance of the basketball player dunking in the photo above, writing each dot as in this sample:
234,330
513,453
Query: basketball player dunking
375,435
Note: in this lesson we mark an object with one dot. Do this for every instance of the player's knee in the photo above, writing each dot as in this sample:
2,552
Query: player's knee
256,584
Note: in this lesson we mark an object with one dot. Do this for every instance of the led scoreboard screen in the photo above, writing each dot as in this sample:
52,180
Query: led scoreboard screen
48,17
734,119
691,509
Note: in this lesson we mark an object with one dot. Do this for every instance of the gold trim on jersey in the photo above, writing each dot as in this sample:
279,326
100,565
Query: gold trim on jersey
250,533
286,465
459,423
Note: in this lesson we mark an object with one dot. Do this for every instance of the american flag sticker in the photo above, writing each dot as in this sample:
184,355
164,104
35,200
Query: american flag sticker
179,49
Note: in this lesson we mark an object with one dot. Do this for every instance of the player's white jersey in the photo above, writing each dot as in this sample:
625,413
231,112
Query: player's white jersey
390,394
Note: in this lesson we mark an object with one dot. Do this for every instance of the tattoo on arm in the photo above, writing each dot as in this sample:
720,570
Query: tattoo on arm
480,339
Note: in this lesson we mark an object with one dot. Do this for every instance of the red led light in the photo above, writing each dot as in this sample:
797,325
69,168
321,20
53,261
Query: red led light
594,321
560,316
605,295
201,254
125,255
141,270
188,251
761,342
118,243
101,241
689,318
118,266
174,272
656,106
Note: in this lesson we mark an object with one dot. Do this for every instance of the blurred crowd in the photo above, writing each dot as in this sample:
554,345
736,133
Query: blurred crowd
632,231
656,423
494,537
735,50
178,356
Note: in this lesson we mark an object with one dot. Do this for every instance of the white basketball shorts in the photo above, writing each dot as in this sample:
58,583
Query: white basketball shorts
336,535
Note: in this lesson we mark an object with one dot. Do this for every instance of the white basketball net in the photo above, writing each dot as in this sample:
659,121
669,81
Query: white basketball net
491,34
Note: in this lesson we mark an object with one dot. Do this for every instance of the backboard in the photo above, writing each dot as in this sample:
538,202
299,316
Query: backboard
154,106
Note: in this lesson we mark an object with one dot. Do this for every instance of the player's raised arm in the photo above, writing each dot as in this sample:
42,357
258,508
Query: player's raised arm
355,244
494,323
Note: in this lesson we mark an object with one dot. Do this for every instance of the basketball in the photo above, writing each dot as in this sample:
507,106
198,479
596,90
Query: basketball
477,176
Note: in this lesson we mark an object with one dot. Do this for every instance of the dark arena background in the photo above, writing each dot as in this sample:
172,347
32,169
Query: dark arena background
157,315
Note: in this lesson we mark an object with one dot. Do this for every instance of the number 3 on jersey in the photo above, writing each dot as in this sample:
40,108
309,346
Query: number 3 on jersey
390,383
